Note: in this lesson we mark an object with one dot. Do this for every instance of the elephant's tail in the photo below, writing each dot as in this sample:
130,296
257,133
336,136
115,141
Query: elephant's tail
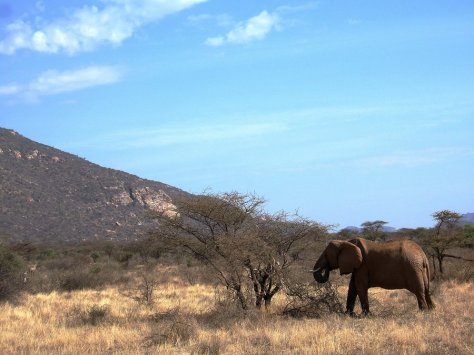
426,281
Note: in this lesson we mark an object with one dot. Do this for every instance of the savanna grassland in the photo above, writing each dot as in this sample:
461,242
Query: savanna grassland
185,314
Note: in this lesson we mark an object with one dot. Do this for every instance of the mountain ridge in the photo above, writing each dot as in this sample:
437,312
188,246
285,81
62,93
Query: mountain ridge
48,194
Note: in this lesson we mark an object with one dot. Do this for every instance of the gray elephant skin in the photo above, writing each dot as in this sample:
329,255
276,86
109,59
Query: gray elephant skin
400,264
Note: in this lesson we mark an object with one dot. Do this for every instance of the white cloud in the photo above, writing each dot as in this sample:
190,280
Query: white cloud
86,28
255,28
53,82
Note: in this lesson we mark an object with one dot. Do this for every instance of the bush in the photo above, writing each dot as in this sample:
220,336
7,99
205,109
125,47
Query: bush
94,315
171,327
76,280
46,254
66,272
143,292
309,300
12,267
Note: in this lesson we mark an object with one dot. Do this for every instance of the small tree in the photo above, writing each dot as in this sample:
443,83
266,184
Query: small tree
373,230
447,234
244,247
469,234
279,240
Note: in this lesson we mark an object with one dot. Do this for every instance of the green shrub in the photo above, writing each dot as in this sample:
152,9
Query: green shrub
47,254
12,267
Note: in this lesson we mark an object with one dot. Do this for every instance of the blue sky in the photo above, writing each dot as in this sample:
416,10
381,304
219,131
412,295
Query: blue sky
346,111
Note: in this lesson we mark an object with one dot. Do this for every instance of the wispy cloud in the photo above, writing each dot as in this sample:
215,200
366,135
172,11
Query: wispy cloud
10,89
297,7
221,20
410,159
354,21
184,134
88,27
53,82
254,29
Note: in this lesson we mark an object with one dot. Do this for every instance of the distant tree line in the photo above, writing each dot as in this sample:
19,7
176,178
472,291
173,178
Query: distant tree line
448,233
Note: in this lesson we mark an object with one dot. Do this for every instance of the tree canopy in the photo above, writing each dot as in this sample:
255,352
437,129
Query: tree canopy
245,247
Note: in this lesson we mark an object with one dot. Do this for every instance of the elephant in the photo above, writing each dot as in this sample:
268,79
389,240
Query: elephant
399,264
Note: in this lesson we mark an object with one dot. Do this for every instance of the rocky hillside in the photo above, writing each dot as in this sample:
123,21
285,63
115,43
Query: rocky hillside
50,195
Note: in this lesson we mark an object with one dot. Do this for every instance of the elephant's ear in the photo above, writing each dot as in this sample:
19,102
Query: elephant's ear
350,258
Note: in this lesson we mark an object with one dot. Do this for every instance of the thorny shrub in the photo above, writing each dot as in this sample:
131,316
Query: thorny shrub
93,315
312,300
143,292
171,327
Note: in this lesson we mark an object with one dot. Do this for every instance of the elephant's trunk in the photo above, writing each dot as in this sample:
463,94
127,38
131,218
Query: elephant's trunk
321,274
321,269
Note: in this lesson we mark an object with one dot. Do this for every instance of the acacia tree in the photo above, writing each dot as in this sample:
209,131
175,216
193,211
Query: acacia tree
279,240
446,234
373,229
246,248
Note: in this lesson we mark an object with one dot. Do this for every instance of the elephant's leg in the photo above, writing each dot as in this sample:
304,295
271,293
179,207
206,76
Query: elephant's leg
362,291
420,297
351,296
417,287
426,287
424,300
429,302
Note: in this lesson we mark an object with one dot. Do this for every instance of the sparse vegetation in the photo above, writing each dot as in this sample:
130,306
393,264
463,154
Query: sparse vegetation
101,321
200,317
143,292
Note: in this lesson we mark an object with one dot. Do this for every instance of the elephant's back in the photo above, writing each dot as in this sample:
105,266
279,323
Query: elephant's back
394,264
404,248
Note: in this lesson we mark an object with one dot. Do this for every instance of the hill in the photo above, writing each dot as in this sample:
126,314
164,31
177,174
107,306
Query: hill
467,218
50,195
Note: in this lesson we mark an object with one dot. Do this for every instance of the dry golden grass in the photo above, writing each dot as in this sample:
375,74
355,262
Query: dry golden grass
184,320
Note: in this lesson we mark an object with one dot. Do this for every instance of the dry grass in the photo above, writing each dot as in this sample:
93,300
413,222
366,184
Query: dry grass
184,319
